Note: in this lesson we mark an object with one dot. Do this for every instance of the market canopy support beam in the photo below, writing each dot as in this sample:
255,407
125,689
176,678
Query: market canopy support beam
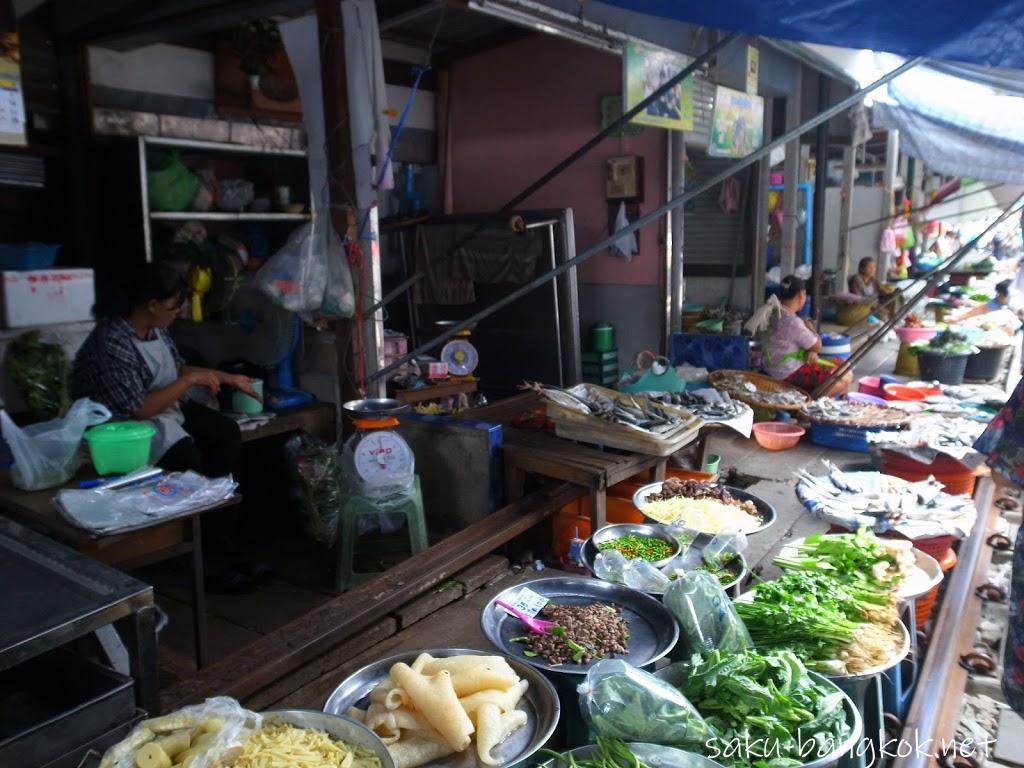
653,215
820,183
285,650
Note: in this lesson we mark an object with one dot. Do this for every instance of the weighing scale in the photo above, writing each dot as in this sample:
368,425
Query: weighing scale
460,355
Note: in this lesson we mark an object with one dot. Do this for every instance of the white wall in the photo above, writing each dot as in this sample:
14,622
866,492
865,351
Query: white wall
867,206
168,70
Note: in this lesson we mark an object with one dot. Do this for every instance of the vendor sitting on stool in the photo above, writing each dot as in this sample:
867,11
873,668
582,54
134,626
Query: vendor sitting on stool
791,346
866,283
130,364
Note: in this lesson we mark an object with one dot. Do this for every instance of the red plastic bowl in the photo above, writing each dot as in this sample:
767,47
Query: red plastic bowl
903,392
777,435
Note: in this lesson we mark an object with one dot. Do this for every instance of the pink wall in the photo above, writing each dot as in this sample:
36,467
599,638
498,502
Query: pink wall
520,108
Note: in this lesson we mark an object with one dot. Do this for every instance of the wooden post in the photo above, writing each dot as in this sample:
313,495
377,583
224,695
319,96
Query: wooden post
845,211
340,175
792,173
762,177
892,156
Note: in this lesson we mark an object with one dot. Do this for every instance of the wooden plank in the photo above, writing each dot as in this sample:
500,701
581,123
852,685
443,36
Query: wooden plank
299,642
316,418
483,572
429,603
436,391
502,411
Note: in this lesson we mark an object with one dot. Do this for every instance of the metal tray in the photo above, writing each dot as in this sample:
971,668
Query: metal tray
766,512
339,727
618,530
927,573
675,674
652,630
653,755
738,566
540,704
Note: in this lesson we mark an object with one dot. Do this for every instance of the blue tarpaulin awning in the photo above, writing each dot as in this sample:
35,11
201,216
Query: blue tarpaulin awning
988,32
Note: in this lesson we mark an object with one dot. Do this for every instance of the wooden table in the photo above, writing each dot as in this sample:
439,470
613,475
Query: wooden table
319,419
541,453
163,539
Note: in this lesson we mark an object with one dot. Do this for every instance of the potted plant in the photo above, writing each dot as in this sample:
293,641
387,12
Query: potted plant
944,357
255,44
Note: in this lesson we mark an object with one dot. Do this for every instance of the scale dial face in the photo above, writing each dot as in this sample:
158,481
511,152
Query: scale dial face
382,455
461,356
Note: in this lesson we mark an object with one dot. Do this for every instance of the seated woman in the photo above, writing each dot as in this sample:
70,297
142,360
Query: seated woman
866,283
791,346
130,364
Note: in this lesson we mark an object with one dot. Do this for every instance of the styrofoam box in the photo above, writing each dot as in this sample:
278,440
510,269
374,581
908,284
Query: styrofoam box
47,296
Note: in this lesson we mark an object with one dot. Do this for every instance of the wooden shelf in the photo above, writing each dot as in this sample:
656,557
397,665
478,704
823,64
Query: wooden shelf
436,391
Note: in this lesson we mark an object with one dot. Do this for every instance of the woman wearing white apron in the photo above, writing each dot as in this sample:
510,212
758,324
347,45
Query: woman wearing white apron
130,364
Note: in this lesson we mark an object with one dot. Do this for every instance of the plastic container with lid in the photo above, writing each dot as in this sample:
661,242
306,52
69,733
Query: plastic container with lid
120,447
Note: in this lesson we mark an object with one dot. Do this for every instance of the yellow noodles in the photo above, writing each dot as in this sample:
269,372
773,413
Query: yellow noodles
705,515
280,745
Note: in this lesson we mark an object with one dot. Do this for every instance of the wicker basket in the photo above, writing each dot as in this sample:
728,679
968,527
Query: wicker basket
573,424
850,313
763,384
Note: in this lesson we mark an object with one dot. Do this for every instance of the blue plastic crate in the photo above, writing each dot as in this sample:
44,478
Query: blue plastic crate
845,437
22,257
711,351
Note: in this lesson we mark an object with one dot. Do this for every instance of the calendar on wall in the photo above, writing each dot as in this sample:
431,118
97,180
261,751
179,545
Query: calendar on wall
12,102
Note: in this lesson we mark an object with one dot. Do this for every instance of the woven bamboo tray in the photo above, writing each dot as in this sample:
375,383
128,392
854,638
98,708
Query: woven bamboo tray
880,418
572,423
763,383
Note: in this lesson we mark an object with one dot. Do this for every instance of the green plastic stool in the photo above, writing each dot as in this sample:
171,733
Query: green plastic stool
352,508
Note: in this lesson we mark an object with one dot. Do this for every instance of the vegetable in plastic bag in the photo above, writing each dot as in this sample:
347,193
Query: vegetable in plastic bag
706,617
39,371
47,455
314,468
608,565
619,700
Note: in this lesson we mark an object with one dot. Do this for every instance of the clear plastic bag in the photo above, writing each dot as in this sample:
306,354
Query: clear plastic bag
102,510
640,574
619,700
47,455
608,565
314,467
724,546
309,273
228,723
707,619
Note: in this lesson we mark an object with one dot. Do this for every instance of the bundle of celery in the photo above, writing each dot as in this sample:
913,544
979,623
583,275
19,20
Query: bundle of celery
859,557
836,628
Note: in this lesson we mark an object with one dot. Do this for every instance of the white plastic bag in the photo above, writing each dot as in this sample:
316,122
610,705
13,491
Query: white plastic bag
309,273
46,454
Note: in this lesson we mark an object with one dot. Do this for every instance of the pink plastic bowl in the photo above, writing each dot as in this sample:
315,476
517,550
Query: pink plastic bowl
871,385
908,335
777,435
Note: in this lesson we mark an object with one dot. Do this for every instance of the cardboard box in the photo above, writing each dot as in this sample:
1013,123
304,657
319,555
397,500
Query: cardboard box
46,297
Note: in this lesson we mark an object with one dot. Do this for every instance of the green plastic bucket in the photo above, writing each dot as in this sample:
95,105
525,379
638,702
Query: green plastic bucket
602,337
120,447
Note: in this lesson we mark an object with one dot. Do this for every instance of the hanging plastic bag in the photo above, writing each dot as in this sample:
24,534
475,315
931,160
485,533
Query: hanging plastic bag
47,455
619,700
624,246
309,273
707,619
314,467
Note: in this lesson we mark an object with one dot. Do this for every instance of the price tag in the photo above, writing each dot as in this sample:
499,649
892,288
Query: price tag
529,602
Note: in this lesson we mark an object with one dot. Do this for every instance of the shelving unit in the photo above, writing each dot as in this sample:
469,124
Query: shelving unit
145,143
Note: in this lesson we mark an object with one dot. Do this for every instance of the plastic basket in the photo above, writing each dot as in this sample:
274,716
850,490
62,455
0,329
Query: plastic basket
986,364
845,437
22,257
945,369
954,477
925,604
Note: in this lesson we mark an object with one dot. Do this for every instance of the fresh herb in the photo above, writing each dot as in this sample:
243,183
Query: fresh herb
643,547
857,558
609,753
38,371
949,342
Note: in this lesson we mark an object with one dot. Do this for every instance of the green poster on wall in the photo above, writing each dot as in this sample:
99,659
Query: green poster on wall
737,123
644,70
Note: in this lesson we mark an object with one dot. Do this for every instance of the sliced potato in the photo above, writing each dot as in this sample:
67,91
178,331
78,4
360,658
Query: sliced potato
203,741
152,755
175,742
211,725
168,723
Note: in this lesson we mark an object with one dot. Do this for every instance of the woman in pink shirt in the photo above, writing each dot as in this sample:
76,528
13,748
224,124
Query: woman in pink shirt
792,346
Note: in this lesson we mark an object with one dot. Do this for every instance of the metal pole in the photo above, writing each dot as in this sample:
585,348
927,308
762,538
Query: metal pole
820,183
677,148
657,213
900,313
565,163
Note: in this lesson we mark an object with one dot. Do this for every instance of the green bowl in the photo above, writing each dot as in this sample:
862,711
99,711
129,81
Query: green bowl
120,447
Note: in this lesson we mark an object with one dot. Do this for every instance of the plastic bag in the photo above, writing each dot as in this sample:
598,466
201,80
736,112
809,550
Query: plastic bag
169,182
309,273
723,546
38,369
314,466
707,619
103,510
46,455
235,726
608,565
640,574
619,700
390,490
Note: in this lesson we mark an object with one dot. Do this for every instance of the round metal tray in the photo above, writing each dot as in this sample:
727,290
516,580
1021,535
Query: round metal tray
653,755
339,727
766,512
738,566
675,674
540,704
893,660
652,630
618,530
927,573
375,408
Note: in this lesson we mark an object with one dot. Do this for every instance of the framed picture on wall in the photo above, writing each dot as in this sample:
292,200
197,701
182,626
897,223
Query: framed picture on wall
737,123
645,69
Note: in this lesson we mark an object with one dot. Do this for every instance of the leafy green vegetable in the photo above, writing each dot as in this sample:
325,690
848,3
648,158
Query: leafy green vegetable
610,753
851,558
949,342
39,371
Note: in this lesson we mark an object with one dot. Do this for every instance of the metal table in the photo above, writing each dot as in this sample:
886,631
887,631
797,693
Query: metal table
55,595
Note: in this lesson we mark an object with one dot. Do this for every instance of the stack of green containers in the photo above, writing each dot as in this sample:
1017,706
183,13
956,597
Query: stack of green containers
601,363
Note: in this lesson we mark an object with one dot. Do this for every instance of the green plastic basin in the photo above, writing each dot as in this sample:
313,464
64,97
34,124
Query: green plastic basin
120,447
